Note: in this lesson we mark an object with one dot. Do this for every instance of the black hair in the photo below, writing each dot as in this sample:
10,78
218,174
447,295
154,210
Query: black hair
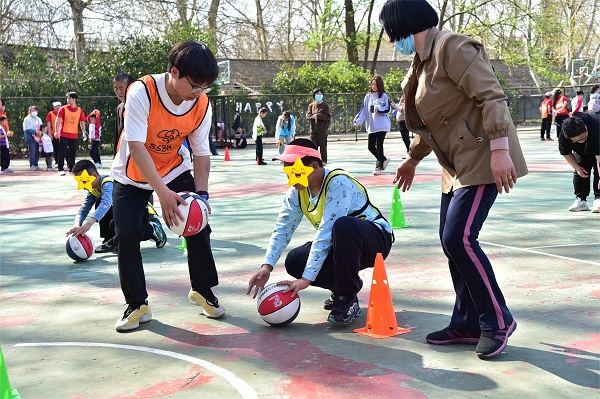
573,127
3,117
286,114
84,164
194,60
92,115
262,109
579,93
380,88
124,77
594,89
72,94
307,160
317,90
402,18
557,94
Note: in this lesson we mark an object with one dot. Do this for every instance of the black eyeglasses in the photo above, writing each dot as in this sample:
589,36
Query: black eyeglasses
197,88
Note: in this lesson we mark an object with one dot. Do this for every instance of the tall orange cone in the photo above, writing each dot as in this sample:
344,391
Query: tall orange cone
381,317
397,213
227,158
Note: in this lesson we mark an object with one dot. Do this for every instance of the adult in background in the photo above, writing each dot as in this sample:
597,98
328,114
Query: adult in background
33,134
319,116
401,119
68,122
580,146
121,81
578,104
476,143
546,112
374,114
594,103
285,130
560,109
51,122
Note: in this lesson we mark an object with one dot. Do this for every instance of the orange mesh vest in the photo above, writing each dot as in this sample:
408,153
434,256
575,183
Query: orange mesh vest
53,116
166,132
71,122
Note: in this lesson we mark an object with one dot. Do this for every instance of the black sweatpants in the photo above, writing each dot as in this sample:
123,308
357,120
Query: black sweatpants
581,185
376,147
69,155
129,206
356,242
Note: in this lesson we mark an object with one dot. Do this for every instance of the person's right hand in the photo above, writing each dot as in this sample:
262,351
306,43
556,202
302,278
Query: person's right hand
582,172
405,174
169,200
259,280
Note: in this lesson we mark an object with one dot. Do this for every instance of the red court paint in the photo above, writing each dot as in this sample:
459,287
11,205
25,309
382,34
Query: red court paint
18,320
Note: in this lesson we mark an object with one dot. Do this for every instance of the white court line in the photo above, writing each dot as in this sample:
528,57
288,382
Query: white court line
566,245
240,385
540,253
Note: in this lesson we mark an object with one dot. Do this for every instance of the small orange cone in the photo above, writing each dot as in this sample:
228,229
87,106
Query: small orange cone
381,318
227,158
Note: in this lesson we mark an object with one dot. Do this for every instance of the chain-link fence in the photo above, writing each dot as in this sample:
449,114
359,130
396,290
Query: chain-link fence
524,106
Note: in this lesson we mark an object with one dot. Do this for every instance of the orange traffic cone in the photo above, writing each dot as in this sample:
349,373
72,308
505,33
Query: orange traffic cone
227,158
381,318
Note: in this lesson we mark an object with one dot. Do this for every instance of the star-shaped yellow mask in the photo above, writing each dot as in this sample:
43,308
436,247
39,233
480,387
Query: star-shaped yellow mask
84,180
298,173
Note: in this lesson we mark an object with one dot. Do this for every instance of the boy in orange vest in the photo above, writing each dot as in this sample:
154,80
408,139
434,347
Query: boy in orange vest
162,111
546,111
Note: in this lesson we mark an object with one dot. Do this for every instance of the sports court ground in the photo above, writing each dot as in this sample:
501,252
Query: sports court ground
57,317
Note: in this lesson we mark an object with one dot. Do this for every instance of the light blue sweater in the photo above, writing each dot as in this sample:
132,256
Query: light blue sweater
377,121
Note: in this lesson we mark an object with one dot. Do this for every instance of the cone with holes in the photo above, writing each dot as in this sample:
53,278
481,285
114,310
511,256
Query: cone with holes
6,392
381,318
227,158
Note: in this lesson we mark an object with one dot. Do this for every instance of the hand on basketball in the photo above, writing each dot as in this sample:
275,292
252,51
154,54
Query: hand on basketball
405,174
81,230
295,286
168,203
259,280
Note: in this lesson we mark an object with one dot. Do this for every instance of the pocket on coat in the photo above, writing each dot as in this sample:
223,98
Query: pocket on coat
466,137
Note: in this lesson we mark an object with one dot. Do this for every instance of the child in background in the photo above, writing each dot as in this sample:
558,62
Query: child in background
47,147
4,146
94,133
258,130
101,196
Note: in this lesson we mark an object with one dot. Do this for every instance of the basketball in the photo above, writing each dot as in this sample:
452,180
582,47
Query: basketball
276,307
195,215
80,248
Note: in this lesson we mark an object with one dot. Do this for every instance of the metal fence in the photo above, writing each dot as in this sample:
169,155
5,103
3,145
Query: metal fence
524,106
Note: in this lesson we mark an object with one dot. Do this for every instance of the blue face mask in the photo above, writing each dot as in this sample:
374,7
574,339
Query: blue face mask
406,46
319,97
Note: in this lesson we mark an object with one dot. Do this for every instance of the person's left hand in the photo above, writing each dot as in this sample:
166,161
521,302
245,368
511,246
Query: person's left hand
296,286
505,175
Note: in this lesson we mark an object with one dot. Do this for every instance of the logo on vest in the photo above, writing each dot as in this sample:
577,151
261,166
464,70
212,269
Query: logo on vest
167,136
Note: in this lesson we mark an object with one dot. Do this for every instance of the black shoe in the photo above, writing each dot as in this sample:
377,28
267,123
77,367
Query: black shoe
261,163
328,304
158,234
106,246
344,311
450,336
491,343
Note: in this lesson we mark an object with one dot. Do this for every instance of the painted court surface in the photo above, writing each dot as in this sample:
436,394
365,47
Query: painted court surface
57,317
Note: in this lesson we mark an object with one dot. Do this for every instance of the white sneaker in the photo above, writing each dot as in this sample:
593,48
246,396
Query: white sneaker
212,310
133,317
579,205
377,171
98,165
385,163
62,173
596,206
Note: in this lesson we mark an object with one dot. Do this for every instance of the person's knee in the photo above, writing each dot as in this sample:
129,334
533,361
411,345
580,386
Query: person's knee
342,226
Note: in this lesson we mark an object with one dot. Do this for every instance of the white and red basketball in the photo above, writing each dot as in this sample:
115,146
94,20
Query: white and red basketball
276,307
195,215
80,247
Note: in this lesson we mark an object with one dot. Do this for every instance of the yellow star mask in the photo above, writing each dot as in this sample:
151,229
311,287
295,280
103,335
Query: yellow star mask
298,173
84,181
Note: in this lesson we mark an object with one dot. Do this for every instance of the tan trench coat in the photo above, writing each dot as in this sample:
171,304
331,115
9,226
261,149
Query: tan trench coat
455,104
